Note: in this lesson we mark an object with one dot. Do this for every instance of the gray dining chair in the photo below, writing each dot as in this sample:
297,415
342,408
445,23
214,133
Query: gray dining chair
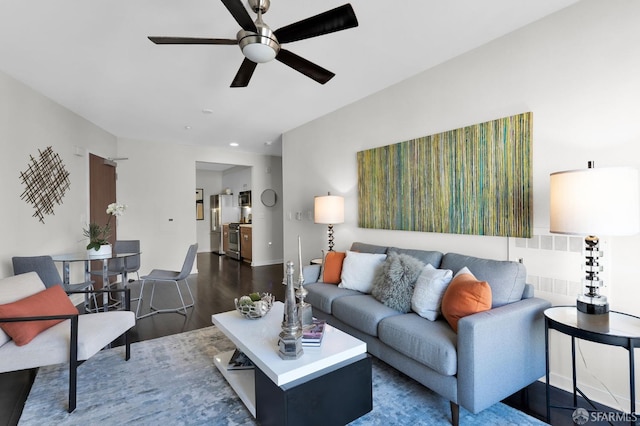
118,266
46,269
161,275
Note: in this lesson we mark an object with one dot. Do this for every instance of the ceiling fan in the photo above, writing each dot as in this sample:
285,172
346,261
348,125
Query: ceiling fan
260,44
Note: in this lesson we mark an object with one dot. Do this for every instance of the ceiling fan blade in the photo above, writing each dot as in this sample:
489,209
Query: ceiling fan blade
240,14
191,40
340,18
305,67
244,74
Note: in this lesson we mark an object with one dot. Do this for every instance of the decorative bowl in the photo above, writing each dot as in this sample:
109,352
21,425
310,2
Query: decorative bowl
254,309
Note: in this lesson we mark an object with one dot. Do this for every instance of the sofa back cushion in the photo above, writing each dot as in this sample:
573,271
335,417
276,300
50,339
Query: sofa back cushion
368,248
506,278
428,257
425,256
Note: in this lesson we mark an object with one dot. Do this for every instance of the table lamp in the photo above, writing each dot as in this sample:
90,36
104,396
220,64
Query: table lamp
592,202
329,210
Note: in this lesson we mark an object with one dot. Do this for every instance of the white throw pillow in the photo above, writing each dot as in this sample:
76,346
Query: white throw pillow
358,270
464,270
429,289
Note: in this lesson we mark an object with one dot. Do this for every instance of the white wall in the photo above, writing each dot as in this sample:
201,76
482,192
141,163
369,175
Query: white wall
237,179
30,122
157,183
211,183
576,70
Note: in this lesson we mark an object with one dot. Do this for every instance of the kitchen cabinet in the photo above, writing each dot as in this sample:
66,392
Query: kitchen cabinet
225,238
245,243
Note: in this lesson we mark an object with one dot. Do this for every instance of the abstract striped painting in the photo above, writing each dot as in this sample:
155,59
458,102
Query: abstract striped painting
474,180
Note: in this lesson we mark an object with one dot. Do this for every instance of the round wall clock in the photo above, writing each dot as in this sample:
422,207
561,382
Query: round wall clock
269,197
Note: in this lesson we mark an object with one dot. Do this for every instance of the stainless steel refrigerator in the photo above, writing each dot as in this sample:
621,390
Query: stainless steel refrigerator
222,211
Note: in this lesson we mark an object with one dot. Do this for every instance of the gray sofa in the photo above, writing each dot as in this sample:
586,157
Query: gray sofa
494,354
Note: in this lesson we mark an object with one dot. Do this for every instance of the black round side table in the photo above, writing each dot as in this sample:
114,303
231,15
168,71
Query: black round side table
614,329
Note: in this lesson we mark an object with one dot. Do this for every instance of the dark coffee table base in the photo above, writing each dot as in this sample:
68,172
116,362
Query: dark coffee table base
334,398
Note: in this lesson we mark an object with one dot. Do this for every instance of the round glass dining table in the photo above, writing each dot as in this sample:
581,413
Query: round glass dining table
85,257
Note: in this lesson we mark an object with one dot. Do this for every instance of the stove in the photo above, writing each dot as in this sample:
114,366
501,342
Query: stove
234,241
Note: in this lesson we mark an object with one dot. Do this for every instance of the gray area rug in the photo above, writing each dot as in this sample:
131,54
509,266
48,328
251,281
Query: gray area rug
172,380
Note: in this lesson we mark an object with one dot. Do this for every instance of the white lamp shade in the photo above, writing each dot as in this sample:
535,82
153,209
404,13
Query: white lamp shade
595,201
328,209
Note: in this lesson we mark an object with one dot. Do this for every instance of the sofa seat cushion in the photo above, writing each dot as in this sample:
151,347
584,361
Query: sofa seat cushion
432,343
321,295
506,278
362,312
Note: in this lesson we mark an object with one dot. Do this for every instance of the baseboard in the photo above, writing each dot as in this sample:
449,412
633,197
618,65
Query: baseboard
266,262
601,396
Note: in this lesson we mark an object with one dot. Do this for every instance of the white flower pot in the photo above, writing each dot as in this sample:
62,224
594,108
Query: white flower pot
105,250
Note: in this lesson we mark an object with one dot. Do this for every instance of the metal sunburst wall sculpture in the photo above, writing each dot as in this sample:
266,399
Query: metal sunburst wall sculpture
46,181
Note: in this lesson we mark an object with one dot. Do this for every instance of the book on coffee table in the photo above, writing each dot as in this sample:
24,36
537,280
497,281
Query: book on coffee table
312,336
239,361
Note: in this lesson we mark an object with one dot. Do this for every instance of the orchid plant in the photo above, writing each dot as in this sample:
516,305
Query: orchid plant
99,235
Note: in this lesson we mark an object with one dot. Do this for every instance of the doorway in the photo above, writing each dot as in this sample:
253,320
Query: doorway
102,192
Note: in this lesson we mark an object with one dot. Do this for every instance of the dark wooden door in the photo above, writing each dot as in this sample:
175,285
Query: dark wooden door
102,192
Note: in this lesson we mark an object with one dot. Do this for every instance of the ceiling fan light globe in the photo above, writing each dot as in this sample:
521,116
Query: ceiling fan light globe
259,52
258,47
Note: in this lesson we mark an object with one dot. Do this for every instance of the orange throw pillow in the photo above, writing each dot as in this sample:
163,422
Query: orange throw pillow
465,296
333,267
52,301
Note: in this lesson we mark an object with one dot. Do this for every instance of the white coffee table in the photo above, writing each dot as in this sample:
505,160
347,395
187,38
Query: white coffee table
333,379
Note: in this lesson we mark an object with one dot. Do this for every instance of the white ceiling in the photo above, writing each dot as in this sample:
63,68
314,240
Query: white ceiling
93,57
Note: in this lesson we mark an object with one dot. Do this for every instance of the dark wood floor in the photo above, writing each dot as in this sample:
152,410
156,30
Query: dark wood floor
218,282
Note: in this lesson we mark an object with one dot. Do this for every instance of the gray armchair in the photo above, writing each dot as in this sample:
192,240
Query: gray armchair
74,340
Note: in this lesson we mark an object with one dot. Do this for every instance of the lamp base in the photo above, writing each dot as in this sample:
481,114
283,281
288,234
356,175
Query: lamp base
595,323
330,236
597,305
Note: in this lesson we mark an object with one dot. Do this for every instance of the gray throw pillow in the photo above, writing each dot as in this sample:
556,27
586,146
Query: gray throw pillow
429,290
393,283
